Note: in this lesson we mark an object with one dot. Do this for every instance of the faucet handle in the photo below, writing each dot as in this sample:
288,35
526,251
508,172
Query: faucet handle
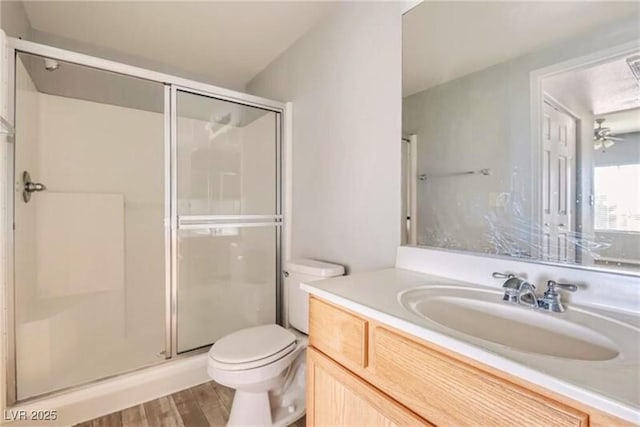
497,275
552,285
551,299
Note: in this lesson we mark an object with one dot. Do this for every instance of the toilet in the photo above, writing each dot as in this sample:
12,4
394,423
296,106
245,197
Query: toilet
266,364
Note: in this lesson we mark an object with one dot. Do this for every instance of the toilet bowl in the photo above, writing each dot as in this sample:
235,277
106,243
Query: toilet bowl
266,365
269,387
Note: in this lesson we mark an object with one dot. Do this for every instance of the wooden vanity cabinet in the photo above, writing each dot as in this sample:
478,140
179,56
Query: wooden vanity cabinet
361,372
337,397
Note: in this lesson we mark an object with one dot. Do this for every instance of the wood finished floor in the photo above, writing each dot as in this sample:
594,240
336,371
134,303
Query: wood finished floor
206,405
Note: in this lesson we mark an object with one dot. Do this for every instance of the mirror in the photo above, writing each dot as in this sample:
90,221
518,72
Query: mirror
521,130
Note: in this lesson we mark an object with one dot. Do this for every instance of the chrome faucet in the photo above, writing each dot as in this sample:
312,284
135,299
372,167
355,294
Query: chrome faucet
518,291
515,288
527,295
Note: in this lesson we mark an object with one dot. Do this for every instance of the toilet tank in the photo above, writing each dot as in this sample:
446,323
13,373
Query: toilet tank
305,271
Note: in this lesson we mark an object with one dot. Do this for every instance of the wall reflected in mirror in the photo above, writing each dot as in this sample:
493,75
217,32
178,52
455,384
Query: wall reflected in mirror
521,130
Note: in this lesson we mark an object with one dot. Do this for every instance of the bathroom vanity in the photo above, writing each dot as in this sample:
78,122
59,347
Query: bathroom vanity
374,360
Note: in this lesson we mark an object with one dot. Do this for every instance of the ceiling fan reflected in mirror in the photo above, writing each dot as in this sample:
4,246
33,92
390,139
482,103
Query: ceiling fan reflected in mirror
602,137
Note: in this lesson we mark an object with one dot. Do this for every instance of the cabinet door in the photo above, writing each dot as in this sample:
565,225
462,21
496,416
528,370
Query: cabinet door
336,397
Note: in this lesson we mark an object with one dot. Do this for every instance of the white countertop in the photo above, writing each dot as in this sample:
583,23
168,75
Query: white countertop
612,386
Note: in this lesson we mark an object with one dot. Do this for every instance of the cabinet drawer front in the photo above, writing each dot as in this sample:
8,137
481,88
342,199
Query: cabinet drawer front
337,397
338,334
448,392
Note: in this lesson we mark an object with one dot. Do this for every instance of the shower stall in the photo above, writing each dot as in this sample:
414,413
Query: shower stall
144,222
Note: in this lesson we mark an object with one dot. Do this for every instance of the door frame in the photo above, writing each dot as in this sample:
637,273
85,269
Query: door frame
9,48
536,100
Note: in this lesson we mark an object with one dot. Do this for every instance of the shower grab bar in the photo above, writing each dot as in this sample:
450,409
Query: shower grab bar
424,176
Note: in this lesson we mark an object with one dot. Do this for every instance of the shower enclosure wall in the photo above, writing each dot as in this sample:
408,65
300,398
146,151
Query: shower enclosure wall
157,225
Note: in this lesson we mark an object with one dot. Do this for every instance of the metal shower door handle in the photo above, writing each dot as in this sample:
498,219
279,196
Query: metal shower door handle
30,187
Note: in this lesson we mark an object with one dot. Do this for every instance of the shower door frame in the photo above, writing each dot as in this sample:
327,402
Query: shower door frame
171,224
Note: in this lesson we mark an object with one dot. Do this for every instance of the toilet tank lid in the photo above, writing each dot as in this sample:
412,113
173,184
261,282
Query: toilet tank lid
312,267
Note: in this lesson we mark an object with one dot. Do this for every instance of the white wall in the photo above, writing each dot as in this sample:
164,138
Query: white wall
344,79
482,120
625,152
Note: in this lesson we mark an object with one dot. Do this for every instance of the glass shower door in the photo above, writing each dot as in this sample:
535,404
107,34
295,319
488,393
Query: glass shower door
89,212
227,217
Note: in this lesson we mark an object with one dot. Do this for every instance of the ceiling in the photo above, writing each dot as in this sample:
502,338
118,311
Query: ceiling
446,40
601,89
230,42
623,122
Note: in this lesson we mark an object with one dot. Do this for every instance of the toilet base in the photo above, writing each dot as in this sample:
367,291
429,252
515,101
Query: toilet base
276,408
250,409
289,403
254,409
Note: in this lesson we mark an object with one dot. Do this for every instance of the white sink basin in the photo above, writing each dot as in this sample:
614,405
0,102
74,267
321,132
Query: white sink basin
481,314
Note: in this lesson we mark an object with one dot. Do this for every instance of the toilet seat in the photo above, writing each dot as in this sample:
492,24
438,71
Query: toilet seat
252,348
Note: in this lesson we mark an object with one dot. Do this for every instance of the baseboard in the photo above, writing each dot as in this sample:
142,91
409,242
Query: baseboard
113,394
